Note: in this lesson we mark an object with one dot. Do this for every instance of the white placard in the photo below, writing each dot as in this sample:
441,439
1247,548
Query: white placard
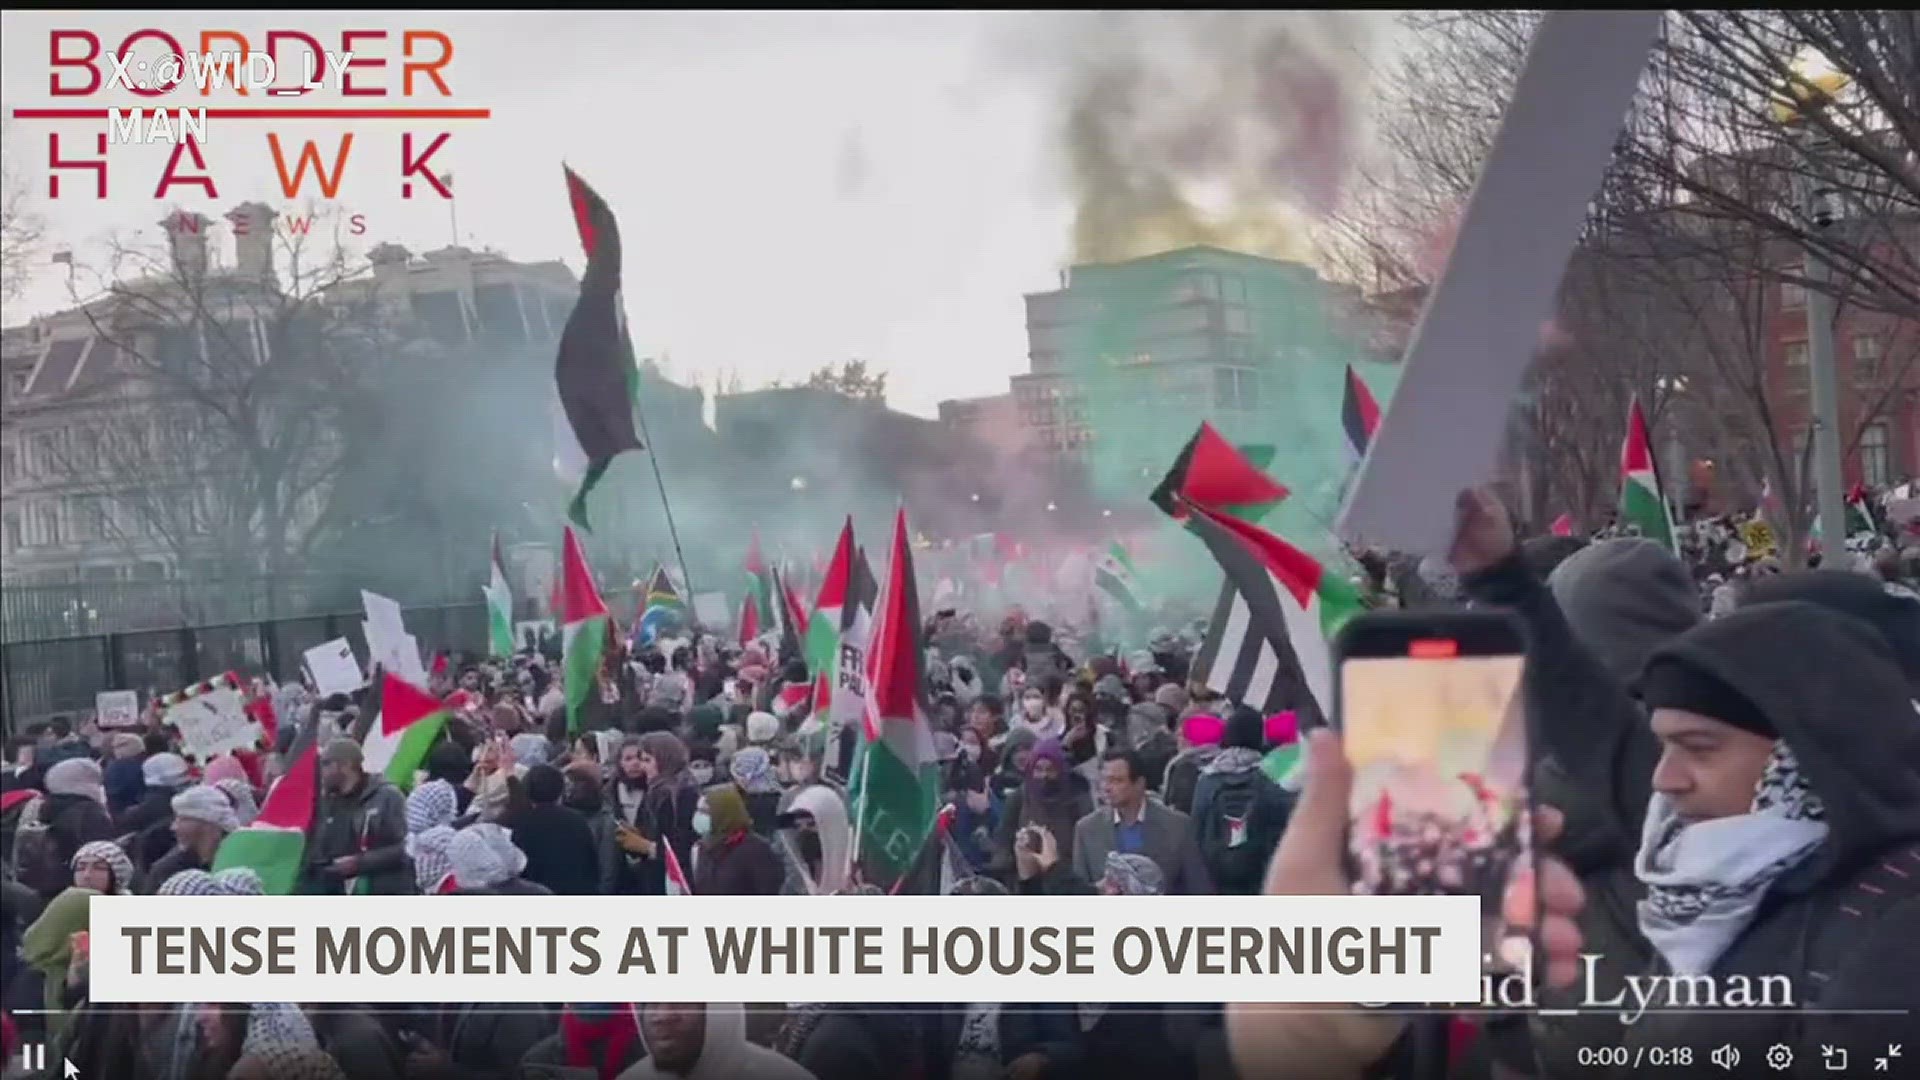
396,653
1444,426
116,709
334,669
383,612
712,610
528,635
909,949
213,723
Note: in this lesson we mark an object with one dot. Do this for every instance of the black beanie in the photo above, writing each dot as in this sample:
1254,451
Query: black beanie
1671,682
1246,730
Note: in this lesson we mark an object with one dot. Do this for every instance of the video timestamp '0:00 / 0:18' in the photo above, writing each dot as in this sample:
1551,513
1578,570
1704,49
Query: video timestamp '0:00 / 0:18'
1653,1057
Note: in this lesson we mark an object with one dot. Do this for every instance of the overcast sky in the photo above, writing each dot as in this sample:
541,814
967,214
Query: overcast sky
795,189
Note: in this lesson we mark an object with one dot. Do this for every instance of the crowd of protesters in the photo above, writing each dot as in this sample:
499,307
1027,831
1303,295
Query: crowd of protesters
1734,796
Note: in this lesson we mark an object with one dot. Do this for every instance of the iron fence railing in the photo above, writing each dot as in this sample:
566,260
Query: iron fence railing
62,674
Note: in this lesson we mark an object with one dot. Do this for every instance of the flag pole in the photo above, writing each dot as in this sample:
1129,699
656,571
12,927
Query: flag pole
653,455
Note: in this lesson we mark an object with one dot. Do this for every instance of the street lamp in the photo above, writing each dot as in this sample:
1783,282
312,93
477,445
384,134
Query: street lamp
1813,84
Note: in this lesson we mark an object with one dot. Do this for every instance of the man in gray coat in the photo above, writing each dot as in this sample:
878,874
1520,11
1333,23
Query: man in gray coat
361,829
1132,823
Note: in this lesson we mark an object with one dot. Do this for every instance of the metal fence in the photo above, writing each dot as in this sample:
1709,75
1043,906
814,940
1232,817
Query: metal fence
63,674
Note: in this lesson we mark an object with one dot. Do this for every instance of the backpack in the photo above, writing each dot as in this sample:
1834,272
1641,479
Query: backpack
36,852
1236,837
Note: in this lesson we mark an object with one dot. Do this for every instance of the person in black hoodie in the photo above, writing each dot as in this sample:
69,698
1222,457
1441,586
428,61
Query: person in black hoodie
559,844
1783,836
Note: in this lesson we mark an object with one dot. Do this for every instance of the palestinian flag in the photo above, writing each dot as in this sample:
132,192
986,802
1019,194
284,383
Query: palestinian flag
822,649
759,584
411,720
594,372
896,791
796,607
584,631
1213,473
1359,415
676,877
274,845
749,621
1287,592
1115,576
1642,502
499,606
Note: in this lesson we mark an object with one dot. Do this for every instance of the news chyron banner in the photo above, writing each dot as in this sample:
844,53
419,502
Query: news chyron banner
829,949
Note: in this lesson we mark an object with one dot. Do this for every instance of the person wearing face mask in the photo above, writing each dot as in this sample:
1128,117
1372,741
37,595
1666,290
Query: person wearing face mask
976,808
729,859
814,836
700,759
1036,718
1047,798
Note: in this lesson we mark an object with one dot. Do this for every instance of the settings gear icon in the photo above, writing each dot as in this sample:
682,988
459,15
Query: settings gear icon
1780,1056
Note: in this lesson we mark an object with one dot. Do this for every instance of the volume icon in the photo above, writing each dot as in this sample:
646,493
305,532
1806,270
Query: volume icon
1727,1057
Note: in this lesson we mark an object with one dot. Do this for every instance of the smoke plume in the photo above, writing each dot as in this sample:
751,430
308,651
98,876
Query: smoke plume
1234,128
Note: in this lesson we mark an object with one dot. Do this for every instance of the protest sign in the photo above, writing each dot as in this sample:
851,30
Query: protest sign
1471,350
528,635
117,709
213,722
334,669
383,613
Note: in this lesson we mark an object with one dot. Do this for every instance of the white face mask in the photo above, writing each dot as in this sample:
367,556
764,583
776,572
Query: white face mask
701,772
702,822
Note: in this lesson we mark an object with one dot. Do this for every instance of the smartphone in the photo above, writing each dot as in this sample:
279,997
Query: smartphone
1431,708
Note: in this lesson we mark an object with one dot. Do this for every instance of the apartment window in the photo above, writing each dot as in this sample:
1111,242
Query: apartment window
498,309
1239,351
10,532
1876,455
1234,289
1238,321
1204,285
9,464
1793,296
1796,354
42,525
1866,357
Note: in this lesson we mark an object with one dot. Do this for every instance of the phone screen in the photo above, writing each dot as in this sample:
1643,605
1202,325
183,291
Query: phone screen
1438,739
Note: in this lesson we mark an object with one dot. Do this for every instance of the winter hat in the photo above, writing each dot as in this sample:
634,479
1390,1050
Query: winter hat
125,744
432,803
1172,697
762,727
1245,730
1141,662
1203,730
1673,682
1048,750
1283,728
110,853
1110,688
77,776
164,770
202,802
344,751
484,855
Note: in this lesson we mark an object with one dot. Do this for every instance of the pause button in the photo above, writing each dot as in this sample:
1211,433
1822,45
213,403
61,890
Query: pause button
33,1056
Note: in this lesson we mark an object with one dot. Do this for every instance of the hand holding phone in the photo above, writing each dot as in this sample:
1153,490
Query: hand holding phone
1432,712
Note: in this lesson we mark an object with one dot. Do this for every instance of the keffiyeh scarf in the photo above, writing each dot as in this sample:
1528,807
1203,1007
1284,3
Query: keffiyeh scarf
1705,880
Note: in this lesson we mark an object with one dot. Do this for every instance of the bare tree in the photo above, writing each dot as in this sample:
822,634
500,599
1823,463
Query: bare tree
21,228
218,438
851,379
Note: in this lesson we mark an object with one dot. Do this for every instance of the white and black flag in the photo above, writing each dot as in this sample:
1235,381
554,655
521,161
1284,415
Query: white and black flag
1246,659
